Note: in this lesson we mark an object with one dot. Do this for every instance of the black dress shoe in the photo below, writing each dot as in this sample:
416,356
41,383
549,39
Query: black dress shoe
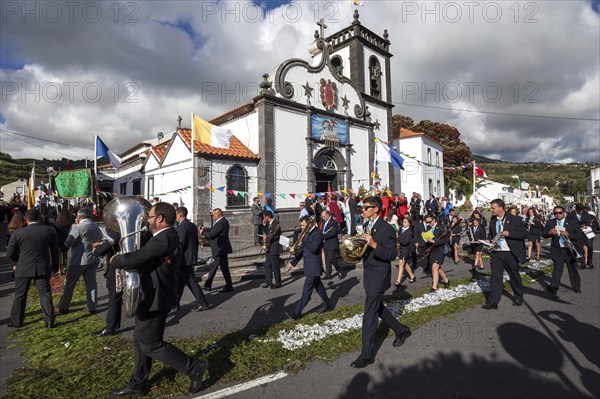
207,288
400,338
126,392
13,325
196,377
227,289
552,290
577,291
341,274
275,286
490,305
293,316
324,309
265,285
327,277
361,363
590,266
50,324
103,333
518,302
201,308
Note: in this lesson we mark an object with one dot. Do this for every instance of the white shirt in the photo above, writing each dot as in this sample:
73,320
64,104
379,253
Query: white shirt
161,230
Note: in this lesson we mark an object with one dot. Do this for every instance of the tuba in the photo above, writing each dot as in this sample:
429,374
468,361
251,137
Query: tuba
354,248
128,216
296,245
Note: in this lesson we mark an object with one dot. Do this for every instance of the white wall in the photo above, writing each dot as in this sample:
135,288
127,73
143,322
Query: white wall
218,174
246,130
291,156
361,167
415,177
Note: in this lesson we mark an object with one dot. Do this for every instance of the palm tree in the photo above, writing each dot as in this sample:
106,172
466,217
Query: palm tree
463,187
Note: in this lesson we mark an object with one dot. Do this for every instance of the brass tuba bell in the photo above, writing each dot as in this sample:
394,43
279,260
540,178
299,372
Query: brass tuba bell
353,248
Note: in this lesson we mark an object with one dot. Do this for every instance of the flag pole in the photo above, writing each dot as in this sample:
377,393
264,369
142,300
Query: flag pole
95,186
474,186
192,207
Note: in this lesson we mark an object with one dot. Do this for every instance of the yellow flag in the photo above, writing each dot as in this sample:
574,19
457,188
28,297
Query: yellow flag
207,133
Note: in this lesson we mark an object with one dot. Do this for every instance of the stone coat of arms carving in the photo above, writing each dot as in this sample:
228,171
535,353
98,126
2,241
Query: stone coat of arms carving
329,94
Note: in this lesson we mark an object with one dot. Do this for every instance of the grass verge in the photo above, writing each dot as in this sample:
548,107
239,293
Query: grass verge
66,362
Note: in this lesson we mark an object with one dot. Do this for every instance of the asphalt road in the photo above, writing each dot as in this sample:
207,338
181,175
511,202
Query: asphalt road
547,348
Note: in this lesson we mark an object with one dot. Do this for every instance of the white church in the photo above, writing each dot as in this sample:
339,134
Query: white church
312,128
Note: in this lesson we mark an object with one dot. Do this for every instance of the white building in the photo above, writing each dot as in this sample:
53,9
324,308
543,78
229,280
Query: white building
593,190
424,170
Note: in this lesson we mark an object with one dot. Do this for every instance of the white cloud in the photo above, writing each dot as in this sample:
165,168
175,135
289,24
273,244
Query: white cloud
553,60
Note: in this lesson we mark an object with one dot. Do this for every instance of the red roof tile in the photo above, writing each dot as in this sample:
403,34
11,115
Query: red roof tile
236,148
232,114
160,150
404,133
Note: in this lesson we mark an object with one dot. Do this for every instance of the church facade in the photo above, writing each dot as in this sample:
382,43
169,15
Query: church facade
312,128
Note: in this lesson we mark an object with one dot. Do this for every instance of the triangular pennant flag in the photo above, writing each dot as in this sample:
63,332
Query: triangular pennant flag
268,195
259,194
221,188
242,193
282,195
230,192
212,189
293,195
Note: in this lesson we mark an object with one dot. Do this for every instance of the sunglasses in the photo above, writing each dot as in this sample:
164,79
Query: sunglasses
368,207
558,213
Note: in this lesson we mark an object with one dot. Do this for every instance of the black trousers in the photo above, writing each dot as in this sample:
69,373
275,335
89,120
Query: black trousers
258,229
22,284
149,344
375,310
272,269
222,262
332,257
559,261
312,283
189,279
115,301
500,261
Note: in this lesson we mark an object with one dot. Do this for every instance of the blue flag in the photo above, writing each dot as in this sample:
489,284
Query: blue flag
103,151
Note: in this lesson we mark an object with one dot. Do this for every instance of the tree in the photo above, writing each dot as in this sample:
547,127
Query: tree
463,187
456,152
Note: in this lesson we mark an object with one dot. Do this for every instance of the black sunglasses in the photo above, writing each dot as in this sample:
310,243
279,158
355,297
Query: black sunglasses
368,207
558,213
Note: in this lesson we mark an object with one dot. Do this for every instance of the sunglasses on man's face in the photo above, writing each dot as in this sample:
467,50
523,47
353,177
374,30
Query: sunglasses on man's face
368,207
558,213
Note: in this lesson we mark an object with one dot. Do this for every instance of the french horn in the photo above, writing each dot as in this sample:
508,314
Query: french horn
353,248
128,216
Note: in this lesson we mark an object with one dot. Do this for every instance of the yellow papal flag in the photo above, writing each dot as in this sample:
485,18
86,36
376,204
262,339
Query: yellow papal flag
207,133
31,189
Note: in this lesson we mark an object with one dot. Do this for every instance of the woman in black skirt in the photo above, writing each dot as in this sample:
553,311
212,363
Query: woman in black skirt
406,243
455,240
534,227
477,233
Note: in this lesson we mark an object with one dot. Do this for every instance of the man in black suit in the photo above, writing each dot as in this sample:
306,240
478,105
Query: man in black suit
510,254
313,268
157,264
381,239
257,216
557,229
352,208
415,208
431,206
331,244
188,238
220,247
272,233
585,245
34,249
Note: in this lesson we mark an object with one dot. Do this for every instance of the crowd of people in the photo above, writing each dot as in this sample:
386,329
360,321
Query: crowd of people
394,228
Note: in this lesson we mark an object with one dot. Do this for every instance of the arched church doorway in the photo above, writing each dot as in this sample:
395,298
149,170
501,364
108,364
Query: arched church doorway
326,174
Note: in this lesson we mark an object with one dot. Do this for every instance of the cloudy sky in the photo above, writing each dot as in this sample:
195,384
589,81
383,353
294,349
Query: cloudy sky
520,80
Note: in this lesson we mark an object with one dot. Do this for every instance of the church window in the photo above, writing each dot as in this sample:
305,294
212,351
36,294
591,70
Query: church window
338,65
123,189
237,180
151,187
137,187
375,77
429,156
437,158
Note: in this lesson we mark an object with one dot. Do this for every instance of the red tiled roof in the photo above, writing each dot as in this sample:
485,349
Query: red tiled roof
404,133
160,150
236,148
234,113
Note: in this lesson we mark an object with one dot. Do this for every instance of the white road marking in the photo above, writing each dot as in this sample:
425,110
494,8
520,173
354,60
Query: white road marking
244,386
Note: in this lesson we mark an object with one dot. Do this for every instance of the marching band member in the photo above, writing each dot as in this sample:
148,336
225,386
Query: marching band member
477,233
455,237
406,241
534,227
436,257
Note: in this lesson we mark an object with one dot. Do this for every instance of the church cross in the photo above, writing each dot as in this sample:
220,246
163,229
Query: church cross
322,27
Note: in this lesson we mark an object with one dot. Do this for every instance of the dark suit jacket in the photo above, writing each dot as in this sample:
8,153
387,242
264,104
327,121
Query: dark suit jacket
331,242
158,265
219,238
188,237
516,234
419,229
415,205
311,252
377,262
352,207
34,249
274,245
478,235
431,205
406,239
438,245
573,229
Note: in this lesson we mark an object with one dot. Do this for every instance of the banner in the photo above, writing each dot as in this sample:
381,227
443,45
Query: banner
72,184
